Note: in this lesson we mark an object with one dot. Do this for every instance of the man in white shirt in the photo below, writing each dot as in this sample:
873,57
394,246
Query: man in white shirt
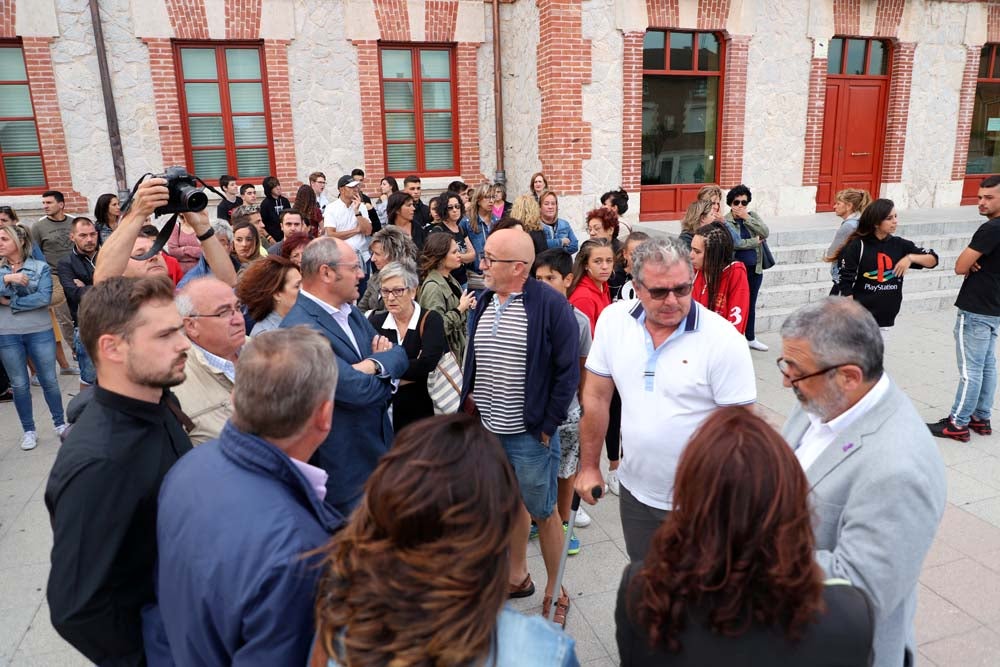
346,219
673,362
876,479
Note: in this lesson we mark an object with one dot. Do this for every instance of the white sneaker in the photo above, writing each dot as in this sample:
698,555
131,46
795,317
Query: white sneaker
612,480
757,345
61,429
582,518
29,441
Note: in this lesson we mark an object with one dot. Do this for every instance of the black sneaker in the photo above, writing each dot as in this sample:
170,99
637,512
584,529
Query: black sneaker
946,428
981,426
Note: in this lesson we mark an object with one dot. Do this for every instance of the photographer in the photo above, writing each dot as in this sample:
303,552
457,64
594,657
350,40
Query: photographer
121,245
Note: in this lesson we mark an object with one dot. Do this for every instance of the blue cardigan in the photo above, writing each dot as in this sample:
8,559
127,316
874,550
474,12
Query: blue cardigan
553,362
37,293
554,234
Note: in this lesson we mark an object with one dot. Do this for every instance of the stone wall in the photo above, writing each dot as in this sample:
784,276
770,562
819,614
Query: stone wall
522,106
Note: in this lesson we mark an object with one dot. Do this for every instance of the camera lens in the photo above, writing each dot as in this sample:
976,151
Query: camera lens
192,199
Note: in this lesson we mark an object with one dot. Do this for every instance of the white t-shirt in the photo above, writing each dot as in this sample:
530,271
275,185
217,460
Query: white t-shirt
342,218
668,392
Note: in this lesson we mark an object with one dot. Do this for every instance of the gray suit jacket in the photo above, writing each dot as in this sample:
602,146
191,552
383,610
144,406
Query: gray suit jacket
878,493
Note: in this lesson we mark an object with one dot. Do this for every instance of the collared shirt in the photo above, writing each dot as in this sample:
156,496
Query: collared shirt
390,321
340,316
315,476
224,366
343,218
821,435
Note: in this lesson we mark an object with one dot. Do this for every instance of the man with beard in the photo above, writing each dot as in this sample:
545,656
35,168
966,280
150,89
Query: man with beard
102,491
877,482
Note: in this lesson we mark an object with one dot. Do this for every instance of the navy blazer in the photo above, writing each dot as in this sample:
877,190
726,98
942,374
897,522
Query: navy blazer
361,430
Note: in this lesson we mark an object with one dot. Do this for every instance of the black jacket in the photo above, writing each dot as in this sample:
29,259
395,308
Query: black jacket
102,501
79,267
270,209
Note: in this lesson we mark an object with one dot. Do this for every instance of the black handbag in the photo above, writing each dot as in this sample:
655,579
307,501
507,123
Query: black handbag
767,259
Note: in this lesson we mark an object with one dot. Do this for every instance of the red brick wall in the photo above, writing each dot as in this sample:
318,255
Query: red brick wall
814,121
632,111
564,66
662,13
8,18
993,23
846,17
45,99
188,19
888,15
899,107
967,98
165,97
371,109
439,20
243,20
468,112
280,103
734,98
713,14
393,21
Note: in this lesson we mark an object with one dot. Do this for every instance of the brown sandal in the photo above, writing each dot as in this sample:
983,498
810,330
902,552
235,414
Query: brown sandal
562,608
523,590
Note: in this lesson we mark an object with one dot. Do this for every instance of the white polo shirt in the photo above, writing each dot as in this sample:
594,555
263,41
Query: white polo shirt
667,392
340,216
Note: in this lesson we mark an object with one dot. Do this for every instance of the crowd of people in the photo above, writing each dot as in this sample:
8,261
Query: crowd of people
268,459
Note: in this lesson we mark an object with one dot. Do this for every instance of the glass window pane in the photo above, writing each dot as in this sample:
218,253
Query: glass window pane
399,126
18,136
397,64
24,171
436,95
402,157
249,131
210,164
855,56
246,97
12,65
652,50
397,95
15,101
835,55
206,131
252,162
198,64
202,97
438,157
680,51
435,64
708,52
679,132
876,60
984,157
984,62
437,126
243,63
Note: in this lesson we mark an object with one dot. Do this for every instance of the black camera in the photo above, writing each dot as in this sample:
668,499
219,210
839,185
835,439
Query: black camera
185,195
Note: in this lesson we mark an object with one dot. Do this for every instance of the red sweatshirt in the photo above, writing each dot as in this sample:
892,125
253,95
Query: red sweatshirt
733,298
591,298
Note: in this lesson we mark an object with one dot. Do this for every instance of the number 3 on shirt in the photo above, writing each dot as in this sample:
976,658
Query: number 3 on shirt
736,315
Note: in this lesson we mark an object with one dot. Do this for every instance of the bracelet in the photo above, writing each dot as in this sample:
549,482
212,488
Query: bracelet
207,235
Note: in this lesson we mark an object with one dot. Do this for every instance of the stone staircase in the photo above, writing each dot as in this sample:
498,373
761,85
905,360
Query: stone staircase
800,276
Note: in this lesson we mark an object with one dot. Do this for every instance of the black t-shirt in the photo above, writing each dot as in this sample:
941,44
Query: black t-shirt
980,291
225,208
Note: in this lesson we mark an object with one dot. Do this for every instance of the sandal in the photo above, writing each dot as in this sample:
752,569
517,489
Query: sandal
523,590
562,608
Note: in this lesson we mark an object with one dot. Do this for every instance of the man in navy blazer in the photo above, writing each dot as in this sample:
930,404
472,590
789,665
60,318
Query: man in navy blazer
369,367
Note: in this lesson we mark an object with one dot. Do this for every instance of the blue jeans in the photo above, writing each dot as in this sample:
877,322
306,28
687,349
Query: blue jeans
754,279
15,350
536,467
975,347
88,374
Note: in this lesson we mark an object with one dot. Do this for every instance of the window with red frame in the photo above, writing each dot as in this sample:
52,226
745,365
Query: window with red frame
223,105
20,150
418,104
984,137
681,93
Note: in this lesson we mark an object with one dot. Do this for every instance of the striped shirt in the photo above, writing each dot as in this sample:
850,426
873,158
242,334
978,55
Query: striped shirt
501,348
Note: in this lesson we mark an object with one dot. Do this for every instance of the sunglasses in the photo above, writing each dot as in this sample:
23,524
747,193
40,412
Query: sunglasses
740,202
454,207
661,293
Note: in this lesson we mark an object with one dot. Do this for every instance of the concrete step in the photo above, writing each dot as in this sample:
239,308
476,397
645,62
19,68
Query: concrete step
797,294
798,274
807,253
911,230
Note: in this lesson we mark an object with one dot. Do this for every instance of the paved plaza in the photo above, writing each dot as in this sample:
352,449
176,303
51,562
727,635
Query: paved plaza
958,620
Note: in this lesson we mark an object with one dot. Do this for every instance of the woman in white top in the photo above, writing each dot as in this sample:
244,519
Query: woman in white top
848,206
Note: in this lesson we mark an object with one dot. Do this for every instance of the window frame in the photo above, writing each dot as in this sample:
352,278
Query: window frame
33,189
695,72
418,111
225,104
887,51
971,180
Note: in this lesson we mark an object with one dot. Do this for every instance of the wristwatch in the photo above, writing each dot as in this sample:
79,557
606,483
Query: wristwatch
207,235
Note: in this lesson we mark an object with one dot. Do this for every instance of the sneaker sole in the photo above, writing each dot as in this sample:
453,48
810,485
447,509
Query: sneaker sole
981,430
960,437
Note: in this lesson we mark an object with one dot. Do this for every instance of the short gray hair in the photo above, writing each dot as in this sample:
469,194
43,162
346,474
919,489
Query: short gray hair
404,270
318,253
668,252
839,331
282,376
223,228
183,300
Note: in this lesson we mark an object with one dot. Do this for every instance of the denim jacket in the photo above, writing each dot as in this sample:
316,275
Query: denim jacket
554,234
477,239
38,292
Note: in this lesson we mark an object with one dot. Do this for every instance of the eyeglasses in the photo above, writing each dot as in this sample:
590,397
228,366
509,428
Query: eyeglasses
661,293
354,266
320,182
395,292
224,313
783,367
487,260
454,207
740,202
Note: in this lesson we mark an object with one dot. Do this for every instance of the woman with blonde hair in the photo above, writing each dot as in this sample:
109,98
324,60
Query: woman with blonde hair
526,211
849,204
712,193
699,213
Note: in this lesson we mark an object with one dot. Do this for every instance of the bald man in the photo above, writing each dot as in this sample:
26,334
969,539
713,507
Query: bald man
522,369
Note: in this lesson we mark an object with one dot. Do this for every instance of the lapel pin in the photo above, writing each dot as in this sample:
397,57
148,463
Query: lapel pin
847,446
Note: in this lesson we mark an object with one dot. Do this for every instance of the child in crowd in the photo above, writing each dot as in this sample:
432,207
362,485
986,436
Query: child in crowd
720,282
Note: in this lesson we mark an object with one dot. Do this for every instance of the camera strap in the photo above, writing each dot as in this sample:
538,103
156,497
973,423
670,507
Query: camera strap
168,227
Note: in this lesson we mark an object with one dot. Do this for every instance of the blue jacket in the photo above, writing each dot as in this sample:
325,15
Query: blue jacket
37,293
553,361
234,521
477,239
554,234
361,431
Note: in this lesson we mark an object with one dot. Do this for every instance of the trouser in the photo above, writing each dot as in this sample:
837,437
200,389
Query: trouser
63,316
975,348
88,374
40,347
755,279
639,523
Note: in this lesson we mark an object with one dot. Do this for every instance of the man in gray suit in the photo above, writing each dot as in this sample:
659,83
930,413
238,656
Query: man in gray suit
877,482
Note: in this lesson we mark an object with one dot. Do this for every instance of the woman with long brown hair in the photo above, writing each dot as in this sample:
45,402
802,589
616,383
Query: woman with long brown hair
268,288
731,577
440,292
418,577
307,204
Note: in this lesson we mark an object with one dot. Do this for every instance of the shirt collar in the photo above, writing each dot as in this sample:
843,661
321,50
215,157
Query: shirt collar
690,321
217,363
841,422
134,407
315,476
390,321
343,311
